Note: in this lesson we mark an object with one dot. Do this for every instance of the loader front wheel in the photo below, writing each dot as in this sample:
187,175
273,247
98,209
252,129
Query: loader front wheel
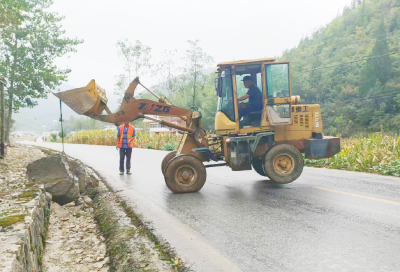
185,174
166,160
283,163
258,166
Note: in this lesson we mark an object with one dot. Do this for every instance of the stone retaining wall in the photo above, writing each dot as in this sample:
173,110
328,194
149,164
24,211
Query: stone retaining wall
29,181
22,243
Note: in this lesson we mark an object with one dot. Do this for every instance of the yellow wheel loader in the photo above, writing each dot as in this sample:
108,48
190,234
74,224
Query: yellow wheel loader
269,140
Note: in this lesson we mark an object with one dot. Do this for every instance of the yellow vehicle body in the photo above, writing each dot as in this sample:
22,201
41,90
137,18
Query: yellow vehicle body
296,126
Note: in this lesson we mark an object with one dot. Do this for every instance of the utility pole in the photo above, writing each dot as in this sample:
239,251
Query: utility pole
3,108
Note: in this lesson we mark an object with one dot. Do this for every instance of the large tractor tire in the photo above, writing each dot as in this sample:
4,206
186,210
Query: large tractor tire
283,163
258,166
166,160
185,174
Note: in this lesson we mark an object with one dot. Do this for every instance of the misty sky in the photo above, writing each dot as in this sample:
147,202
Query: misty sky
228,30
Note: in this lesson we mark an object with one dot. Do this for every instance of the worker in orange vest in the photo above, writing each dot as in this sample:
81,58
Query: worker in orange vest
125,135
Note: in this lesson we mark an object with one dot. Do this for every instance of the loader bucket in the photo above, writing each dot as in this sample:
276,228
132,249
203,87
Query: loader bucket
88,100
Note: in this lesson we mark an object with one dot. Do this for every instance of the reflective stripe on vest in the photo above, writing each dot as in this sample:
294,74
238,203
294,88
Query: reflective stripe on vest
129,136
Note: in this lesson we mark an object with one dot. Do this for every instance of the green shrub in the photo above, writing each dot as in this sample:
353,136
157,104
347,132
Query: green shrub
53,137
149,146
169,146
61,135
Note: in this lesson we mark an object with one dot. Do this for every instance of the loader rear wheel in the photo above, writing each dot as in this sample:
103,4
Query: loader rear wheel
166,160
185,174
283,163
258,166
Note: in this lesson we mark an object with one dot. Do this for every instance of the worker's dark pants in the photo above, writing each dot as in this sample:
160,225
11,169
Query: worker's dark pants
122,153
245,111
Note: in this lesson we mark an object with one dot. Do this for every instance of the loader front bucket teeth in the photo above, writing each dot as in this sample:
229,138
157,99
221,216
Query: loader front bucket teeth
88,100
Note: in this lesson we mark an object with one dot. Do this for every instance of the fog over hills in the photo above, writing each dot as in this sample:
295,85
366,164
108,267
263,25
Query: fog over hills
47,110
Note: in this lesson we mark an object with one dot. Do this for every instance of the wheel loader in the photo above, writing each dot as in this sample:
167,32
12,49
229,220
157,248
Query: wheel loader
270,141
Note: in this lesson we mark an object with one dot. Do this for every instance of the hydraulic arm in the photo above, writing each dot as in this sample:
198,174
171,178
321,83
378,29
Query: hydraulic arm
91,101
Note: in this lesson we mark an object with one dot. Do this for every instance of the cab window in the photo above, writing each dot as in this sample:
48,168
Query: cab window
277,80
253,117
225,102
247,70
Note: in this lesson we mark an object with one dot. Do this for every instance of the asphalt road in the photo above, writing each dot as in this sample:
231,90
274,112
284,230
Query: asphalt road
327,220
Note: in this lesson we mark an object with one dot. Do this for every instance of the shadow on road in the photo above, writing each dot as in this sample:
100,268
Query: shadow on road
269,184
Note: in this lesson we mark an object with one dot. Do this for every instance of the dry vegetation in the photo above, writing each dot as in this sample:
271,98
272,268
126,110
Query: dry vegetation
162,141
377,153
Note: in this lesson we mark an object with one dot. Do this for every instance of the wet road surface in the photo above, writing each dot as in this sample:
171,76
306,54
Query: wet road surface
327,220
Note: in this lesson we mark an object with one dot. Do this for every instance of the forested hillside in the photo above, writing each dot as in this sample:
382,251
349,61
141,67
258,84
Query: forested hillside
352,68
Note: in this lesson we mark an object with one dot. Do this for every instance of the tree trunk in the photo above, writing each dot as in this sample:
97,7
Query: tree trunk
8,129
194,88
194,95
11,90
3,108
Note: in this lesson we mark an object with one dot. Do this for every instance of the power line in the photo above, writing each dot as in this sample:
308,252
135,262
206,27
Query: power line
385,95
349,62
372,39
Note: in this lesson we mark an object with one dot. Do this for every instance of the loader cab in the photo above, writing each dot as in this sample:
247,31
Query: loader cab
252,119
272,79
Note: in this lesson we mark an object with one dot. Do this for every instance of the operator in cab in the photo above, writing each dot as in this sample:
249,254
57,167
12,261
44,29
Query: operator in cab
254,95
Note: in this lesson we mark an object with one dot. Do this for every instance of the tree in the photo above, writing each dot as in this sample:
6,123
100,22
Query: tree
62,135
167,72
29,48
196,61
208,102
11,12
368,77
81,123
137,61
356,96
382,64
315,77
353,4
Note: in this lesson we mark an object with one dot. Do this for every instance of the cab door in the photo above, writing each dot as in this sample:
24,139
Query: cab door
278,104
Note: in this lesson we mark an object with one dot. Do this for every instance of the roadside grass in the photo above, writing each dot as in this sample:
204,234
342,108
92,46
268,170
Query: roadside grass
377,153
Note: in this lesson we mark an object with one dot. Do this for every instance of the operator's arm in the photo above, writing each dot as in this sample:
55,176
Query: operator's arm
244,97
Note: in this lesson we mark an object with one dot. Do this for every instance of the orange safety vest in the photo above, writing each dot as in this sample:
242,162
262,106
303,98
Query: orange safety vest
129,135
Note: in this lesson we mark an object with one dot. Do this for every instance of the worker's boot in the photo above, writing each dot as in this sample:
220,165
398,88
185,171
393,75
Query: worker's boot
128,172
121,172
